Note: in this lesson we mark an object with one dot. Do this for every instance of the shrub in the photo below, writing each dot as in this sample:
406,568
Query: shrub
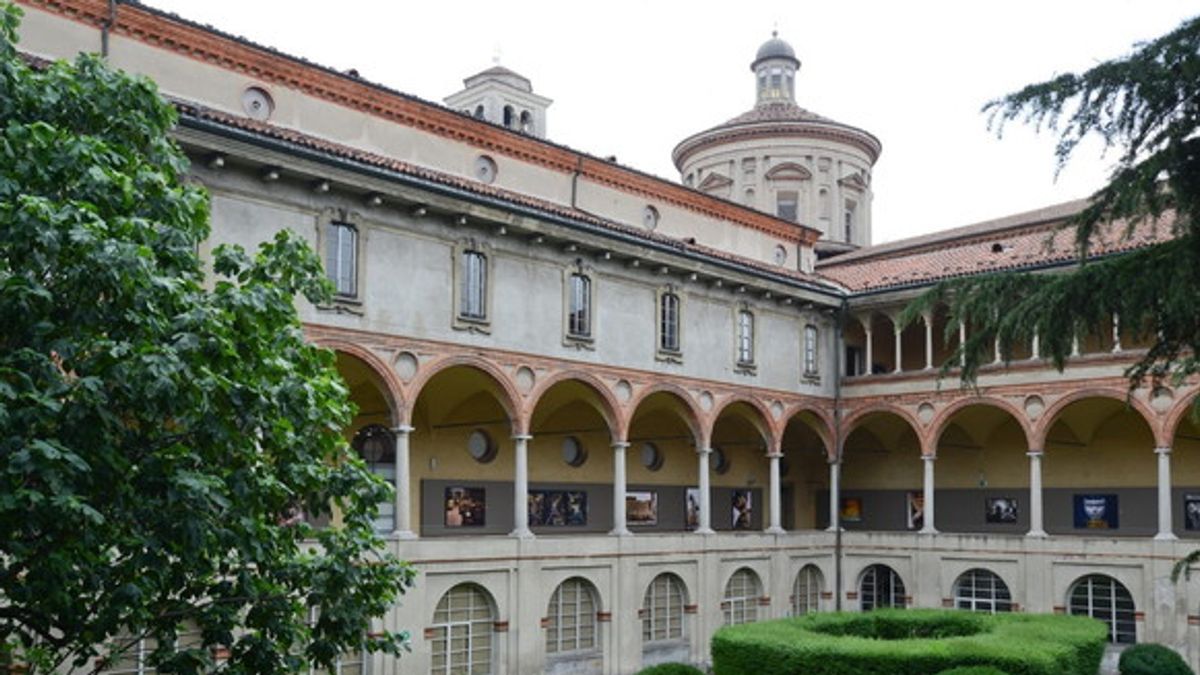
671,669
973,670
1151,659
911,642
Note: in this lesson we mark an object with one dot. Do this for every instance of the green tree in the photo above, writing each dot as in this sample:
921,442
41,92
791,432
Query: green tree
1145,108
160,432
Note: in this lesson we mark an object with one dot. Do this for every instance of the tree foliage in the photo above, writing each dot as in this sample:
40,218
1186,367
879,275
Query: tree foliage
159,431
1145,107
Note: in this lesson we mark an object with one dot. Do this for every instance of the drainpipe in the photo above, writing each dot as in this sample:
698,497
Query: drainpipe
835,517
106,26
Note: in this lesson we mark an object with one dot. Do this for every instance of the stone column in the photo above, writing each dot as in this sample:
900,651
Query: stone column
1035,348
775,525
868,367
996,349
620,523
521,488
1075,345
928,527
962,340
928,319
403,480
1166,529
1036,528
835,495
705,524
1116,333
899,351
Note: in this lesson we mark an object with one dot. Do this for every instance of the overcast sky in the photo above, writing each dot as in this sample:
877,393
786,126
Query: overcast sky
632,79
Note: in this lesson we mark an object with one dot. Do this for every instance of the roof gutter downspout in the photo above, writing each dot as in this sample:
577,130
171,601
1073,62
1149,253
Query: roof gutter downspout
836,516
107,26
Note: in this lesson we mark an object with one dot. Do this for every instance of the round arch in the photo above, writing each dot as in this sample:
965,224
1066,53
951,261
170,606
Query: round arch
761,420
1175,417
1047,420
823,430
856,418
392,390
689,413
938,426
506,392
606,403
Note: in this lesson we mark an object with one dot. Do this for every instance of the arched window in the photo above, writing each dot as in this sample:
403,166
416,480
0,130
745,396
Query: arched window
473,297
825,204
848,221
479,111
526,122
880,586
668,317
982,591
341,258
579,306
741,597
461,635
377,446
510,117
662,609
571,618
806,590
811,366
745,337
748,197
1103,597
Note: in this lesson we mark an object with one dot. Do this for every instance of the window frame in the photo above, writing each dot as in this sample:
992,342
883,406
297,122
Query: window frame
990,597
745,346
572,338
584,590
486,625
895,583
741,608
1118,628
663,351
327,220
462,320
806,590
810,352
674,622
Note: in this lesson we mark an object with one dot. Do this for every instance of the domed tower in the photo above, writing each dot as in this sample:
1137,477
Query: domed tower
785,160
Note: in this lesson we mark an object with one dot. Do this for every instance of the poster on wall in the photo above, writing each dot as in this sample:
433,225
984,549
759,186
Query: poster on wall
1191,512
465,507
1096,512
557,508
743,509
691,509
641,507
852,510
1001,510
915,502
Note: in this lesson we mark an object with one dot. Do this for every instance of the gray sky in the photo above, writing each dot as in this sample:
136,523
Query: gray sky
632,79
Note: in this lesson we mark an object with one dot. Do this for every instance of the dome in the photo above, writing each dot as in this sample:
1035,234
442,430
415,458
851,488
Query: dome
775,48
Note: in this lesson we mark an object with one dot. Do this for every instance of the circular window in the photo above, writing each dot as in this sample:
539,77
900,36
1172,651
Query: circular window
481,447
257,103
650,217
780,255
651,457
485,169
374,443
573,452
719,462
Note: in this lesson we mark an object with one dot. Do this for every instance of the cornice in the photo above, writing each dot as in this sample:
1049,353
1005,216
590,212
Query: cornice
721,135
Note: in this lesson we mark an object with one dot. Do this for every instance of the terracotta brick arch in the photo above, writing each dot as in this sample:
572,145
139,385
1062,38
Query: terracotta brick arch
824,430
1174,417
609,408
691,417
763,423
393,390
856,417
508,398
1038,439
939,422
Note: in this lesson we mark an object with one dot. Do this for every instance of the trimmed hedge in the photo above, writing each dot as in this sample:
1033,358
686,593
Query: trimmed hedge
973,670
671,669
1152,659
911,642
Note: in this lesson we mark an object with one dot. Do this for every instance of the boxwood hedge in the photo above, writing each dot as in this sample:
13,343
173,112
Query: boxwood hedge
911,642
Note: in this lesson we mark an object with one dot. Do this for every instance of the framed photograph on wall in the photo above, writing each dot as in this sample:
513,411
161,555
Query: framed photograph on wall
1191,512
743,509
691,509
1002,510
557,508
641,507
852,510
465,506
915,510
1096,512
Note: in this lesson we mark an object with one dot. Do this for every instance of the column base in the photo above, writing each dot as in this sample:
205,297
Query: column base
1165,536
404,534
1041,534
831,528
620,532
704,530
928,530
521,534
775,529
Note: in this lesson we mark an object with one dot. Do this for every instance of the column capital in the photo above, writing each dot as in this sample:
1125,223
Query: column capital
403,429
1035,453
1162,450
774,454
522,437
704,451
929,458
620,445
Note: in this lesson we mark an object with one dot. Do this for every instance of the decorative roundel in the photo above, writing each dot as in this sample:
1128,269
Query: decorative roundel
719,462
651,457
650,217
257,103
481,447
485,169
573,452
780,255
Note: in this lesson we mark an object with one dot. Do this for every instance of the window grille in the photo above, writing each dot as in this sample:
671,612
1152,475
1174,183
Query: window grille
462,632
571,618
473,300
979,590
741,598
806,590
880,587
341,258
663,609
1102,597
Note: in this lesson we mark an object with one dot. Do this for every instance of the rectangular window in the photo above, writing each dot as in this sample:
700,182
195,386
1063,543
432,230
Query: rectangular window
579,307
341,258
810,350
785,206
848,221
473,296
745,338
668,335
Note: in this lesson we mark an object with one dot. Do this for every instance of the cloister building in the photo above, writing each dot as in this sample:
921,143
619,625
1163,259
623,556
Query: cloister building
620,412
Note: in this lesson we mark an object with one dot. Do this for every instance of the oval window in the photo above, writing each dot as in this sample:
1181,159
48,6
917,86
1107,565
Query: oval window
257,103
573,452
719,462
651,457
481,447
485,169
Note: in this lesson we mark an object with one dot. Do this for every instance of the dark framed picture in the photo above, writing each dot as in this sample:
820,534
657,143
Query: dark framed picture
852,510
465,507
1191,512
1096,512
743,509
915,510
691,509
641,507
557,508
1001,510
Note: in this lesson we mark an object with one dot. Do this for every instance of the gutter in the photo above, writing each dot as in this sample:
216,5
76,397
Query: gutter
217,129
835,517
